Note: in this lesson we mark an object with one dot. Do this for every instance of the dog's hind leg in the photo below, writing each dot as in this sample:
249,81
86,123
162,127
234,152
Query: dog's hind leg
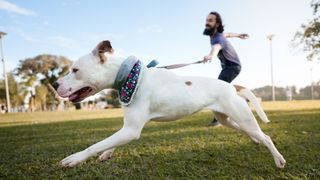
226,121
239,111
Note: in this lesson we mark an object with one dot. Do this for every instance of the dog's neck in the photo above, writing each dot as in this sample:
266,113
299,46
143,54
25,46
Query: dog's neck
112,67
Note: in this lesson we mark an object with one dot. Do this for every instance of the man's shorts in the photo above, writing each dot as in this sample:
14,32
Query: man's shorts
229,72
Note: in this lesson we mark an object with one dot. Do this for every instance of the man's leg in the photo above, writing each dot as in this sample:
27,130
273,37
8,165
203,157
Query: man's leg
227,74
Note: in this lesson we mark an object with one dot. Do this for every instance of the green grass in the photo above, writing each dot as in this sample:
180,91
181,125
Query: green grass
32,144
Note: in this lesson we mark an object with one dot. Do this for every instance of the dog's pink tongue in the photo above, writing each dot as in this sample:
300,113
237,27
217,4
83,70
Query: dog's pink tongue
73,97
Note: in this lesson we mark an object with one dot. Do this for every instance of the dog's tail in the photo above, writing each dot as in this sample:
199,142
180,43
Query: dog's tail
247,94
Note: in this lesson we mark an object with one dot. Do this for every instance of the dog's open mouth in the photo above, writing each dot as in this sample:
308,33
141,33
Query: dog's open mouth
80,95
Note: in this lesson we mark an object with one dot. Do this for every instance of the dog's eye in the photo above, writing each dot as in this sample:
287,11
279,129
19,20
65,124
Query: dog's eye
74,70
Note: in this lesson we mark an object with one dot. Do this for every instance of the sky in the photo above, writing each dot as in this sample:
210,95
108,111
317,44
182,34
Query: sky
166,30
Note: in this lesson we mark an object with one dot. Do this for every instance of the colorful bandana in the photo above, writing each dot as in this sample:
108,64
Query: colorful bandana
128,88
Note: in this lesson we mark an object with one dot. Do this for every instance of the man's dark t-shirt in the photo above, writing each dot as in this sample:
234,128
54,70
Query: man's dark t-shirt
227,53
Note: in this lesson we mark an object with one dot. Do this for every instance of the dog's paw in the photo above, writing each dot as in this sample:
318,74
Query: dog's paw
280,162
73,160
105,156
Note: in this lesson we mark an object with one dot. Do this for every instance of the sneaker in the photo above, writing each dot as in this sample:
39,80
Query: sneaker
214,123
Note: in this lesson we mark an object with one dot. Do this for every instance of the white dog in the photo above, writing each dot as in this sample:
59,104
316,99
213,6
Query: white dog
161,96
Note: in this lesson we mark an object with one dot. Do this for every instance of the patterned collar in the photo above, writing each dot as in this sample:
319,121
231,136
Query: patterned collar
127,79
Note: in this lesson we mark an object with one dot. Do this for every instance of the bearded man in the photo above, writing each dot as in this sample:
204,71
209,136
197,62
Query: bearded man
222,48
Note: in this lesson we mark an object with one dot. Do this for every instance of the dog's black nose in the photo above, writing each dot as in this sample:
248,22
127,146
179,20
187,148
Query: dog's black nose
55,85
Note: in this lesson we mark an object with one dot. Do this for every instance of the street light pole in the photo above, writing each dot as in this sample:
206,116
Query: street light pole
271,63
311,78
2,34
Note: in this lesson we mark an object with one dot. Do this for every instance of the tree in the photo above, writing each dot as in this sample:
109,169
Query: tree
15,91
112,98
305,93
309,36
265,93
41,96
39,72
49,66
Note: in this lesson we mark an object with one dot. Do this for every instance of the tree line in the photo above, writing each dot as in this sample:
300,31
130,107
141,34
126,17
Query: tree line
289,92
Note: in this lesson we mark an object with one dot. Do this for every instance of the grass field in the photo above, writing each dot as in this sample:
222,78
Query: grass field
32,144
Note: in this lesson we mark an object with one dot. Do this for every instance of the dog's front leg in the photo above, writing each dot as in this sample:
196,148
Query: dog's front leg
106,155
123,136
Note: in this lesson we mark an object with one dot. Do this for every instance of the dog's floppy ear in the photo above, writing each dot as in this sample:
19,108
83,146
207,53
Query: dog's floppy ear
103,47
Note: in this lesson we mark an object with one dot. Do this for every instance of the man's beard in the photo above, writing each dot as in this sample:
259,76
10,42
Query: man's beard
208,31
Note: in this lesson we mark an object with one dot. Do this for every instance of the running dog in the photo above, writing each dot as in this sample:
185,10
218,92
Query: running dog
161,96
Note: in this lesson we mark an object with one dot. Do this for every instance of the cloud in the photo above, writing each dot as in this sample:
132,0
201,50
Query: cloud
56,40
7,6
89,37
24,35
62,41
150,28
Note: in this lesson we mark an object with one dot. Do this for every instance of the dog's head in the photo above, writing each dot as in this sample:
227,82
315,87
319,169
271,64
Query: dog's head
88,75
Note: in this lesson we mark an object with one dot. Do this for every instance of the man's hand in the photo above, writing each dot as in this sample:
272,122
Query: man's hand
243,36
213,53
207,59
232,35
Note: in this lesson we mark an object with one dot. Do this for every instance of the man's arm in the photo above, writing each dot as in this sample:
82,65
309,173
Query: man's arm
231,35
213,53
